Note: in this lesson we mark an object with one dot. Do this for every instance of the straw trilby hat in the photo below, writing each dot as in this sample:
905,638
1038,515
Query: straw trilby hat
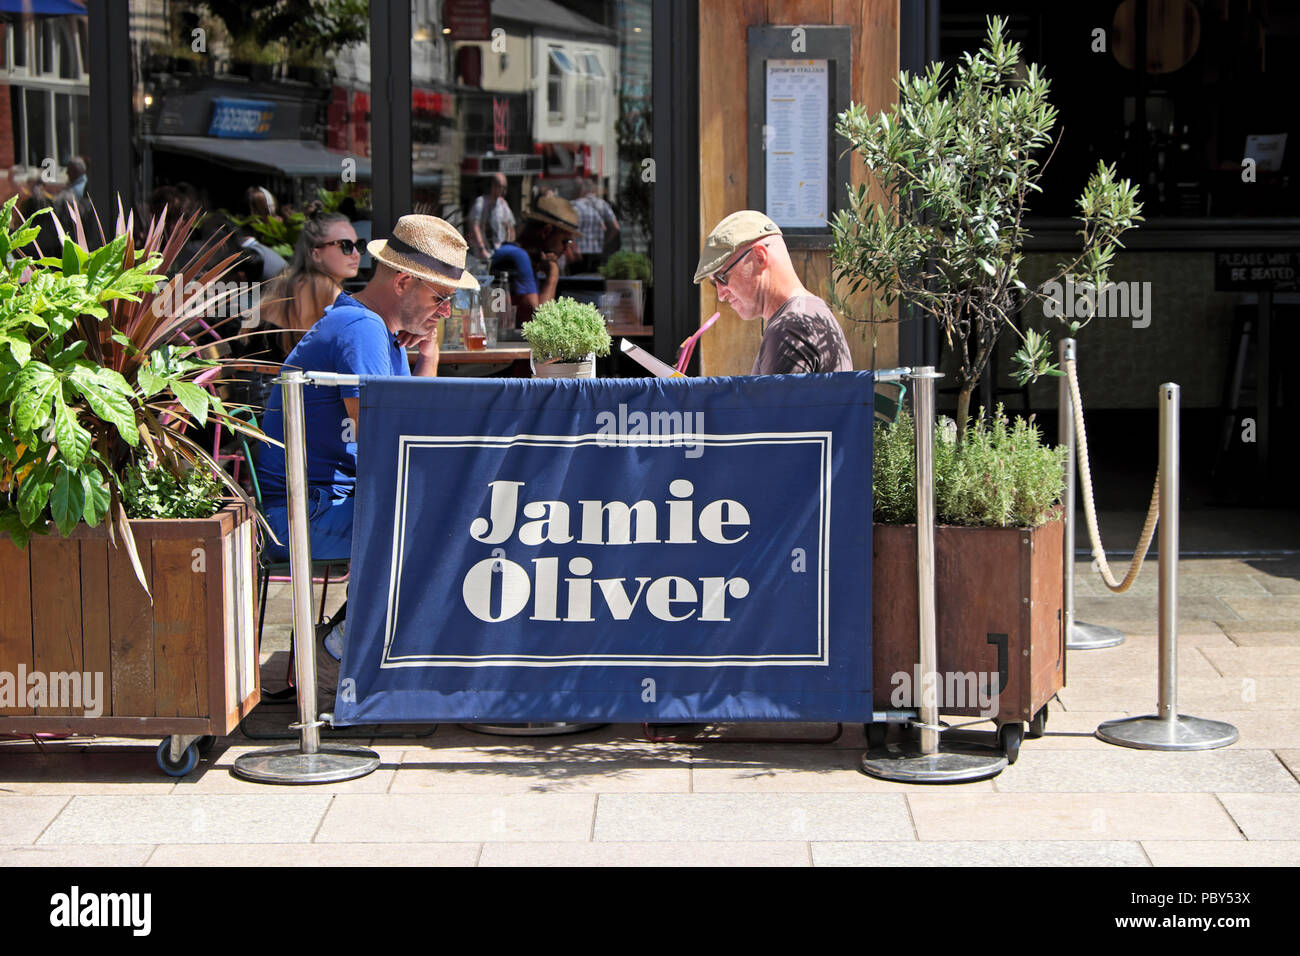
555,211
427,247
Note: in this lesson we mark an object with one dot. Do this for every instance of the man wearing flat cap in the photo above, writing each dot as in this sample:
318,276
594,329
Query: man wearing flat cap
534,261
746,260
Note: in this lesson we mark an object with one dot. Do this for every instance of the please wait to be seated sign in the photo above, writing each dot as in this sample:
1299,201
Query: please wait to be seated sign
611,550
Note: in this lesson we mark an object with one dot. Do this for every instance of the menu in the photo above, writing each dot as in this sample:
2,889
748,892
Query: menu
796,138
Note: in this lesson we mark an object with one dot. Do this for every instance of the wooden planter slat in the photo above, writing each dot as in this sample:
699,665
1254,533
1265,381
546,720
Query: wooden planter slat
185,663
998,597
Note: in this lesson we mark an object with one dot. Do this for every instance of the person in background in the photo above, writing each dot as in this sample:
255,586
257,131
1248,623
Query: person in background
76,167
491,223
272,262
746,260
550,228
598,223
326,256
260,202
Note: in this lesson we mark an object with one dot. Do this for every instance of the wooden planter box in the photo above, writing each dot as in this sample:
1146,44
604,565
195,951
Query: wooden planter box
185,664
998,595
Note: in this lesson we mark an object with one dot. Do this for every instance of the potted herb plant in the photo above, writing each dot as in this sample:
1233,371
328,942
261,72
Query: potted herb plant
566,336
998,569
102,396
627,275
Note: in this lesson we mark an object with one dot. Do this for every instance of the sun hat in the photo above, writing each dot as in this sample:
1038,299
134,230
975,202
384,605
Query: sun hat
426,247
555,211
728,236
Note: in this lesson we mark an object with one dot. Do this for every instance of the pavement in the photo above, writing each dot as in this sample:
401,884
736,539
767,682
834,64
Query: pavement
610,797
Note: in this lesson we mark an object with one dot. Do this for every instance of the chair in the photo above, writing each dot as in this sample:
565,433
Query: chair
278,571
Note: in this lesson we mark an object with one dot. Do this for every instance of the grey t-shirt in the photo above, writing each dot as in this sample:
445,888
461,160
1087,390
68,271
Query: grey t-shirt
803,336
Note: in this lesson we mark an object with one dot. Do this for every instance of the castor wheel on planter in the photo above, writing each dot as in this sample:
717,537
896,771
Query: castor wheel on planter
876,735
205,743
1037,724
189,759
1009,737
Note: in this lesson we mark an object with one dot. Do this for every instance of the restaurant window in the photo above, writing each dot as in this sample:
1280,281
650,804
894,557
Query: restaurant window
235,103
554,96
43,120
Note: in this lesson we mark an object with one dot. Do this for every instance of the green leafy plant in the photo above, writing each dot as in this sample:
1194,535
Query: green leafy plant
565,330
997,474
955,164
280,232
626,264
152,492
97,372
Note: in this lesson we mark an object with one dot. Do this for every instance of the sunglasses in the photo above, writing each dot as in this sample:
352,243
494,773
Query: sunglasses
442,297
346,246
720,279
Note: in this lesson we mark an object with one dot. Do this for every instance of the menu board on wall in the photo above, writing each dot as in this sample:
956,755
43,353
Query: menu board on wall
795,139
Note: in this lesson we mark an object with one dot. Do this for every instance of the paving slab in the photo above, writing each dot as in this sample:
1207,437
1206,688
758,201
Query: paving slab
1141,607
1241,584
74,855
1194,633
602,768
1279,585
1265,816
1138,657
1199,696
1121,770
1223,852
764,854
1255,661
24,817
1070,730
318,854
84,770
1264,634
992,853
1071,816
263,817
1269,608
765,769
752,817
1291,760
457,818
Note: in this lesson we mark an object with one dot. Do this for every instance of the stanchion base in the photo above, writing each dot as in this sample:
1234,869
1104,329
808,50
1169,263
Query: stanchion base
954,763
288,764
1087,637
530,730
1181,733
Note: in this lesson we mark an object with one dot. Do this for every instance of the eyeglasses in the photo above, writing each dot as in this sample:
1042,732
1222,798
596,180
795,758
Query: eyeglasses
346,246
442,297
720,278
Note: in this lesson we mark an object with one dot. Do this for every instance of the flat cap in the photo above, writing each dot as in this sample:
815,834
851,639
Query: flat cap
728,236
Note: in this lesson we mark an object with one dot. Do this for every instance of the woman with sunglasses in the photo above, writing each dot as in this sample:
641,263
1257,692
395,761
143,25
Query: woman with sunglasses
327,254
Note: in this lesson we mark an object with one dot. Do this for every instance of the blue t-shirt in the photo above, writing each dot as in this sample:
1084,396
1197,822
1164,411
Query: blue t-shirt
523,280
350,340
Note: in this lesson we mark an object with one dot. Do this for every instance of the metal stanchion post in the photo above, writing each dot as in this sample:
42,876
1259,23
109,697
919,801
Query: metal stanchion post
935,762
1079,636
307,761
1167,729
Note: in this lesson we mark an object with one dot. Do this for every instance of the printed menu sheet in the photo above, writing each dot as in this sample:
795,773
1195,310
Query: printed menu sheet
796,138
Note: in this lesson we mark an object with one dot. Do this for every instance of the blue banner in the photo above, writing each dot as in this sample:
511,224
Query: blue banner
612,550
241,119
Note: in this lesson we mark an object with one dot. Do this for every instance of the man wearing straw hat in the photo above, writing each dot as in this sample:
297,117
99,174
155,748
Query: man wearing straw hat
417,272
534,262
746,260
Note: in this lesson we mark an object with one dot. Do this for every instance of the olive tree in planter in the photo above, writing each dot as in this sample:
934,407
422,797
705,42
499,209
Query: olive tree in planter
955,164
566,337
998,571
100,397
